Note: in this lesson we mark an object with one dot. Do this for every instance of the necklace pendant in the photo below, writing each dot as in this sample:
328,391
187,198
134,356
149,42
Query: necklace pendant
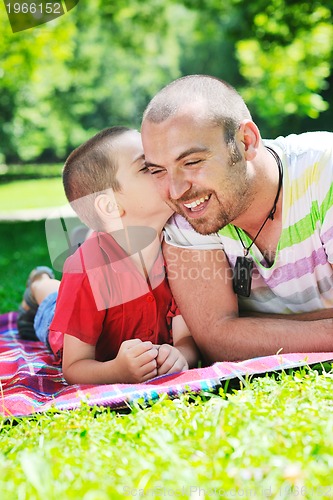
242,277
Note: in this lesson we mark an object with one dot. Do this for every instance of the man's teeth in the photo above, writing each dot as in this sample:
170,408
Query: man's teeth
196,202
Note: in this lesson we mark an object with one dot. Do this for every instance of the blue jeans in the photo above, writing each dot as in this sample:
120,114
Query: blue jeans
44,317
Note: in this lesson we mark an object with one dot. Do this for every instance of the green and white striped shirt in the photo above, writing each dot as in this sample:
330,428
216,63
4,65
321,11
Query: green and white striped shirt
301,277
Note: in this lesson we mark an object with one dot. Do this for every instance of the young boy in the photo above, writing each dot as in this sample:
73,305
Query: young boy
115,319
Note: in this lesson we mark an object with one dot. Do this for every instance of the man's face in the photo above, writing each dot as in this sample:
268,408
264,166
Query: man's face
196,172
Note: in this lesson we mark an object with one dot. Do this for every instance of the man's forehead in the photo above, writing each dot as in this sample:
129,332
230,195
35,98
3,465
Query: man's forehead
196,107
184,123
196,110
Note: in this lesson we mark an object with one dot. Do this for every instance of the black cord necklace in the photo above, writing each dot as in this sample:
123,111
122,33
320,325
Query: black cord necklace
242,276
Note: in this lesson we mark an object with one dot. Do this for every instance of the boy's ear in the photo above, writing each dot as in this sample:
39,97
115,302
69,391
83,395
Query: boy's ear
107,207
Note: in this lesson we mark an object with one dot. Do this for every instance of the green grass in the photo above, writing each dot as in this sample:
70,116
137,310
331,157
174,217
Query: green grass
29,171
23,247
30,186
271,438
33,193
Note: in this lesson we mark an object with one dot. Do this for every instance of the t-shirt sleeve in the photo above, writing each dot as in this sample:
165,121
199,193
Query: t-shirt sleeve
314,154
173,310
325,196
179,233
76,313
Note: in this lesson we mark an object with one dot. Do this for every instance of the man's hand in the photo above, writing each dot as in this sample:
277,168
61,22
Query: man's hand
136,361
170,360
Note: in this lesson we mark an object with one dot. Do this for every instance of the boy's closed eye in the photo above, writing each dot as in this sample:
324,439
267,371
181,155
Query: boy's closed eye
144,169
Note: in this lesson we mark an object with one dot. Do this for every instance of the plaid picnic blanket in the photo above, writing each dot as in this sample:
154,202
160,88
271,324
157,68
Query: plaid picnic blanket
31,382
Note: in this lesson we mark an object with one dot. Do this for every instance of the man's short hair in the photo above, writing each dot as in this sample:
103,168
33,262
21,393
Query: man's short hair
91,169
222,103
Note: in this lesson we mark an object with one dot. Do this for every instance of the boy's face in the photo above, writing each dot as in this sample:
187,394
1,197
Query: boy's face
138,195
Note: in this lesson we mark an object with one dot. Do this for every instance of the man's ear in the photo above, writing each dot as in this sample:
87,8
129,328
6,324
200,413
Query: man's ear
249,135
107,208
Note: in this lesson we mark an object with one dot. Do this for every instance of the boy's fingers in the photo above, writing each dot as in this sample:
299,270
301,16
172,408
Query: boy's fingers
129,344
144,347
163,353
178,366
136,344
168,366
175,362
149,370
147,357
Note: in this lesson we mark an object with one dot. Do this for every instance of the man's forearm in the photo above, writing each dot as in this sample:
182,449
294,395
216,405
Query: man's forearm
309,316
242,338
202,286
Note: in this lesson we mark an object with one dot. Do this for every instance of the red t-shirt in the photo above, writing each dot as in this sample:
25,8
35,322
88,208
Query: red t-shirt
103,299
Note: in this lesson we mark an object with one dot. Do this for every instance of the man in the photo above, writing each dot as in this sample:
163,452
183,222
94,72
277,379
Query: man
248,207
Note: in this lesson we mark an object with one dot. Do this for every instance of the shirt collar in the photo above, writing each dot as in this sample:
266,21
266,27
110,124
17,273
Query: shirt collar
139,237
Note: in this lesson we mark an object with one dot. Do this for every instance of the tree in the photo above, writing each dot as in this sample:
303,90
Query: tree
287,61
101,63
278,54
32,65
74,81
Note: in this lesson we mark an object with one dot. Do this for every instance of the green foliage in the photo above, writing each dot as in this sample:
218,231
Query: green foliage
287,60
73,81
32,68
10,173
100,64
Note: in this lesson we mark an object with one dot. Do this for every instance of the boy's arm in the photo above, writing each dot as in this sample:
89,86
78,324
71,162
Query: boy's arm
135,362
182,355
183,341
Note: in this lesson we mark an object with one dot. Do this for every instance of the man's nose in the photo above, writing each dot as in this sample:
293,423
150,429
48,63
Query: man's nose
178,185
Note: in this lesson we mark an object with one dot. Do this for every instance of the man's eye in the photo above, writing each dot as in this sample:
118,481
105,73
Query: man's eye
153,172
192,162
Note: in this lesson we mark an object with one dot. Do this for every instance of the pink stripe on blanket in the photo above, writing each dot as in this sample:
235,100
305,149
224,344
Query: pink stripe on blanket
32,382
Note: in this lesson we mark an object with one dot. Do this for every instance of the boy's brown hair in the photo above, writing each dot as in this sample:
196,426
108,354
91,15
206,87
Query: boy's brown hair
91,169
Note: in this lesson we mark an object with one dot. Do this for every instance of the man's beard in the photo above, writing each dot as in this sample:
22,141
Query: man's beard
226,213
203,225
208,227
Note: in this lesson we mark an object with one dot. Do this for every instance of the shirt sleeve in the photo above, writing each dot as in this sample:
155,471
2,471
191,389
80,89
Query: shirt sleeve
173,310
179,233
325,196
76,313
313,152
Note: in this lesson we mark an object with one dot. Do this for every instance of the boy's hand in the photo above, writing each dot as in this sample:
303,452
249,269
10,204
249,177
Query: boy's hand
136,361
170,360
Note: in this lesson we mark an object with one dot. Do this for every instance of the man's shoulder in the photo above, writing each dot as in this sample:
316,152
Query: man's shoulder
178,232
300,144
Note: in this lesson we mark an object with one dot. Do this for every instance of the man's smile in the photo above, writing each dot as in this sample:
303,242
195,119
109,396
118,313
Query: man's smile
196,204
